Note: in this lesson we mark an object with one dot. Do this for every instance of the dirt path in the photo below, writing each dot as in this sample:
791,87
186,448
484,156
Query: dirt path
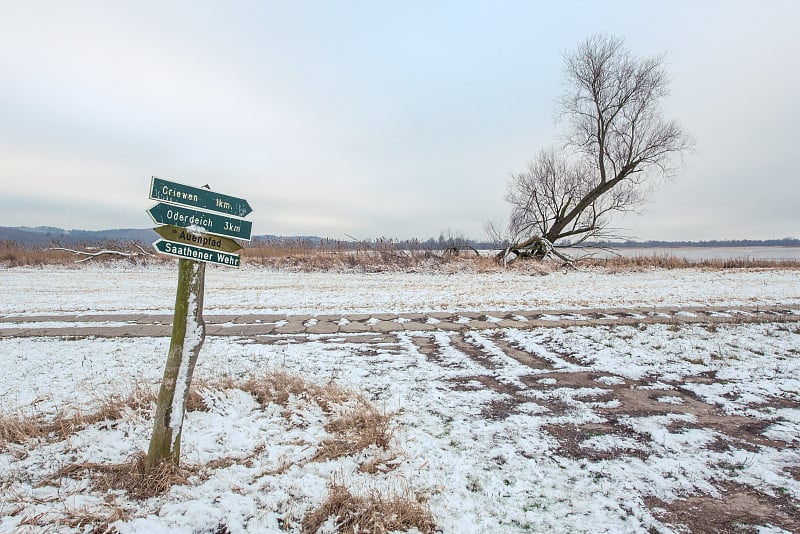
141,325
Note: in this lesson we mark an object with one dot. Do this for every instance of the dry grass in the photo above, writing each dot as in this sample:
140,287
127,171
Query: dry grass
130,476
297,255
379,255
359,427
381,462
354,423
95,519
278,387
375,513
372,256
669,261
195,401
95,522
25,426
388,255
13,254
22,427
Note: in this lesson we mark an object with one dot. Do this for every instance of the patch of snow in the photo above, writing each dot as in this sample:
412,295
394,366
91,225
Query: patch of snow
610,380
669,399
65,324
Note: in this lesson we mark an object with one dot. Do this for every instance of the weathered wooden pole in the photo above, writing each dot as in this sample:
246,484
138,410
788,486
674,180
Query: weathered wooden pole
188,334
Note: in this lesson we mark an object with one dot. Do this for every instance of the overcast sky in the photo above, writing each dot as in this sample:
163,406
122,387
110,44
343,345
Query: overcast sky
397,119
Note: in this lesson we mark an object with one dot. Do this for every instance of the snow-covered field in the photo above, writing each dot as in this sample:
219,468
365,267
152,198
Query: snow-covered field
579,429
151,289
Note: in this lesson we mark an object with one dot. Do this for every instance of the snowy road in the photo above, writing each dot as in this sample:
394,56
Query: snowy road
142,325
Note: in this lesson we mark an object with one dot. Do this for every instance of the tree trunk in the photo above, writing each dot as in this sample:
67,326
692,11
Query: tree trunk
188,334
555,231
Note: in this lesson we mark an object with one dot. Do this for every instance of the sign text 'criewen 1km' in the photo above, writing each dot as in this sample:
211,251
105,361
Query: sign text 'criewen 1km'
196,253
205,222
196,197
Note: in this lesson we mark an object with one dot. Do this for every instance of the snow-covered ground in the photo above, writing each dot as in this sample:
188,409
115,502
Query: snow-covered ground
151,289
580,429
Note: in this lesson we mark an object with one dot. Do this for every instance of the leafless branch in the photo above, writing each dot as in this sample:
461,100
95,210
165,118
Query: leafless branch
92,255
618,144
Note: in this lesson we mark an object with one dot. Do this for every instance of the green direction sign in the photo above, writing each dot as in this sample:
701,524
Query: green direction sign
195,197
202,221
182,235
190,252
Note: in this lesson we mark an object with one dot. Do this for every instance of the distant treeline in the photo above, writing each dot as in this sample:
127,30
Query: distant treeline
43,236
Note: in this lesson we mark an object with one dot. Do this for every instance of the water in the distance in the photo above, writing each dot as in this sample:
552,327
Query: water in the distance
699,253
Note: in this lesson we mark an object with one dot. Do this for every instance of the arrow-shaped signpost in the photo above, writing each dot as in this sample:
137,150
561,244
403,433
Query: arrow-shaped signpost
202,221
189,252
199,226
197,197
182,235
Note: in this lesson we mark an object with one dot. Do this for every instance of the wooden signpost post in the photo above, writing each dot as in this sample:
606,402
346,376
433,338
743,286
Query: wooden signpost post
196,236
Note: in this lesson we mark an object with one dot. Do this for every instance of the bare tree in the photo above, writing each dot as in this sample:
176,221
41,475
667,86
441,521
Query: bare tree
617,145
